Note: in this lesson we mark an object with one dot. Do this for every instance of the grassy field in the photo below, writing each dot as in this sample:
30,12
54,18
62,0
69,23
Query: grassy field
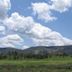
54,64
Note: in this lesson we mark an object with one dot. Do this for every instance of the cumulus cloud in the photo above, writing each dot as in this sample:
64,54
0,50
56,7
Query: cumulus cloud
39,31
2,30
61,5
11,41
5,5
44,36
50,42
20,25
39,34
43,11
25,47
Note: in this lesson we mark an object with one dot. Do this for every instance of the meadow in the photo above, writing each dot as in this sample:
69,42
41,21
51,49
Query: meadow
53,64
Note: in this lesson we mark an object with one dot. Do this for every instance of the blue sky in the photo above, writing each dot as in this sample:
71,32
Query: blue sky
63,24
25,23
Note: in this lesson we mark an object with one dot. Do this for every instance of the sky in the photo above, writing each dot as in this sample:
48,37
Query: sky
26,23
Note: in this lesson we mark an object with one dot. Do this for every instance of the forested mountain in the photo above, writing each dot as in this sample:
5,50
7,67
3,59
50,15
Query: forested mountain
35,52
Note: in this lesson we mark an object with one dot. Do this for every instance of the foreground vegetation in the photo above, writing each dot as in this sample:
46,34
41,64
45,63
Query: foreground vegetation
36,59
52,64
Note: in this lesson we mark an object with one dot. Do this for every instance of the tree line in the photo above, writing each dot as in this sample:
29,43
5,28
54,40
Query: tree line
20,55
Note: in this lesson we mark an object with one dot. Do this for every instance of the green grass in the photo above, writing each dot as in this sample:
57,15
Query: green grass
54,64
53,60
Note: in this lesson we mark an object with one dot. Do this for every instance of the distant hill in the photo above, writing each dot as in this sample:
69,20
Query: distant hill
40,50
50,50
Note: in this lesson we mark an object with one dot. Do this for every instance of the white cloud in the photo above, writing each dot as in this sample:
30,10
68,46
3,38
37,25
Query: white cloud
39,31
44,36
61,5
39,34
11,41
19,23
2,30
68,41
5,5
25,47
52,42
43,11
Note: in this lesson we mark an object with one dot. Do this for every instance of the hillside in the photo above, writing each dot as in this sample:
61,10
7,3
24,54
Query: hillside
39,50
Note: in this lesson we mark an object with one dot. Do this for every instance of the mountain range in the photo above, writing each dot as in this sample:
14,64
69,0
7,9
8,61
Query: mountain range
40,50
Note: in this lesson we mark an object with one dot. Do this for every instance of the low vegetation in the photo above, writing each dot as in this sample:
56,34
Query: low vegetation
40,59
52,64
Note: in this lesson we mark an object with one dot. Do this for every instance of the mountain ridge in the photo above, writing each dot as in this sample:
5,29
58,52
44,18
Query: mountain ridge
40,49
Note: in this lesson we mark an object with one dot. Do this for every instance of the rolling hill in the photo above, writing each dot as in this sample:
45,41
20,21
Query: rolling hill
39,50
